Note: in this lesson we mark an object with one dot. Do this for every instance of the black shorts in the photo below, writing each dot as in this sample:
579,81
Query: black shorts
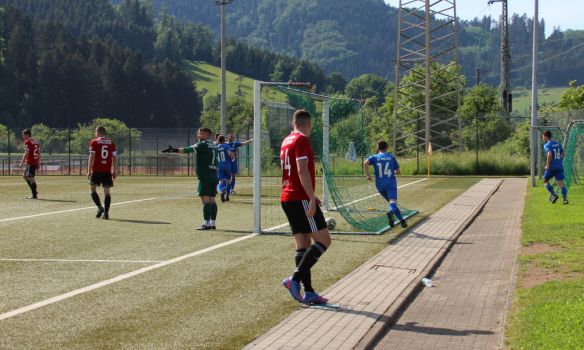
299,222
102,179
30,170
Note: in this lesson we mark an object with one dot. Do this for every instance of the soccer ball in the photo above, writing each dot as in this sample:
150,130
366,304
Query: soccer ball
331,223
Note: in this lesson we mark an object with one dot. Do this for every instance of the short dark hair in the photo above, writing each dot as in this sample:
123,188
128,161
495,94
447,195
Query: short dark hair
217,135
221,139
382,145
301,117
100,130
27,132
207,130
547,134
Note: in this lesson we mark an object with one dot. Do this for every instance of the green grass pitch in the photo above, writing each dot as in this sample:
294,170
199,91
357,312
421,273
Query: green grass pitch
221,299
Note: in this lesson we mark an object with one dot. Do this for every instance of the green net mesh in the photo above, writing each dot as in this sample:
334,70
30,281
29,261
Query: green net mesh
572,140
352,200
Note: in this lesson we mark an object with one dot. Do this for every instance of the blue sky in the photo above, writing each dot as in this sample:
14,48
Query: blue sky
566,14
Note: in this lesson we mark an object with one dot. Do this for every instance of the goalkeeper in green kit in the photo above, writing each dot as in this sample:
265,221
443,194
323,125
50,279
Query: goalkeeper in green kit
206,173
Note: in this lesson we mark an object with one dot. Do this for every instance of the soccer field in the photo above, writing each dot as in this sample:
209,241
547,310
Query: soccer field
146,278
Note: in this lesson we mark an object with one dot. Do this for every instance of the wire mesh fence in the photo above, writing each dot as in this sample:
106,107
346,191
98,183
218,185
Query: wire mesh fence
66,151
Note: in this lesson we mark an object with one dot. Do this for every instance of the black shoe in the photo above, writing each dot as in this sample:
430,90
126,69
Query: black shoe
390,219
205,228
32,197
554,198
105,217
566,201
212,227
223,196
403,224
227,197
100,211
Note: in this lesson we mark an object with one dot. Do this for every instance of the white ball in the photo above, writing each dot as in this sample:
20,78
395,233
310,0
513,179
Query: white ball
331,223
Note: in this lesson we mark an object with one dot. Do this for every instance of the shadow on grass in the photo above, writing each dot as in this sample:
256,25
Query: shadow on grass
147,222
56,200
198,74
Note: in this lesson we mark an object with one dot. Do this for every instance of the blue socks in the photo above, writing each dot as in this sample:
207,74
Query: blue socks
550,188
232,184
564,192
393,208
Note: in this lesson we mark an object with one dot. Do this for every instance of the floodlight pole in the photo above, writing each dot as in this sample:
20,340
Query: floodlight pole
532,153
222,4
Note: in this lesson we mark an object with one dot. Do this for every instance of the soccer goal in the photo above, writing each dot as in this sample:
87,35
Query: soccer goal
340,146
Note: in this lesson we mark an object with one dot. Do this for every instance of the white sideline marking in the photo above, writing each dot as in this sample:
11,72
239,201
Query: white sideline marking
377,194
83,260
119,278
71,210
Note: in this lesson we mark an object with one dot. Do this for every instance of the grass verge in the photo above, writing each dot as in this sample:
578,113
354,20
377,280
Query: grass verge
548,311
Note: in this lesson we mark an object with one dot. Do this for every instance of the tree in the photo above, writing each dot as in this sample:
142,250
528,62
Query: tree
573,98
368,86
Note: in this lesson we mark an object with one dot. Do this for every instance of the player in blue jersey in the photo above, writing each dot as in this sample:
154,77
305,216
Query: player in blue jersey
386,167
233,146
224,160
554,166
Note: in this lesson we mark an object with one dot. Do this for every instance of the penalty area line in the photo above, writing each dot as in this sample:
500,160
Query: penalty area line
119,278
72,210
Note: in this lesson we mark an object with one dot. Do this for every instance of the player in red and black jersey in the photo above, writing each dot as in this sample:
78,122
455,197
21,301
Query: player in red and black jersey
32,158
101,170
302,207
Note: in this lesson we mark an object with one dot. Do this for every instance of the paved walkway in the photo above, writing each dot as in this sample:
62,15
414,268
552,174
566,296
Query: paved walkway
372,296
473,287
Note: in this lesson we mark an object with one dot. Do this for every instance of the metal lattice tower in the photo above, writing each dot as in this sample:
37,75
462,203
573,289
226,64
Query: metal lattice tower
426,34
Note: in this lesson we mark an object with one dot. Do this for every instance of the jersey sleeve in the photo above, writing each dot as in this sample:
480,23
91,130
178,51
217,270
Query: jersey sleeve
114,150
302,148
92,146
396,164
372,160
546,148
193,148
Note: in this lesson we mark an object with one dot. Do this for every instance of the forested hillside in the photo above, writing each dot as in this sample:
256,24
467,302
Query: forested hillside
357,37
64,62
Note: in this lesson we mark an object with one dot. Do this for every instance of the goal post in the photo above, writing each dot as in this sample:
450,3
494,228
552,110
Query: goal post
338,131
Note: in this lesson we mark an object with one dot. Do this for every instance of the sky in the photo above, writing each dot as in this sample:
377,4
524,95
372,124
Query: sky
565,14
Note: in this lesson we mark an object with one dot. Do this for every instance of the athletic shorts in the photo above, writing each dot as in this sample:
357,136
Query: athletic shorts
299,222
234,167
224,172
208,188
388,192
30,170
558,174
102,179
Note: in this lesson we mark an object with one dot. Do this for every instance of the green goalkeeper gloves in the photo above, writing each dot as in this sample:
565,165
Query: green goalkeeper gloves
170,149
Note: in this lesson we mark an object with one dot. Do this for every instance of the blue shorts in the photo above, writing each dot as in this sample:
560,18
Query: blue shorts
388,192
556,173
224,172
234,168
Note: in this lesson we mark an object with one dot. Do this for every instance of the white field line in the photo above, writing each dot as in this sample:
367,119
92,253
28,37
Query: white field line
119,278
84,260
72,210
273,228
377,194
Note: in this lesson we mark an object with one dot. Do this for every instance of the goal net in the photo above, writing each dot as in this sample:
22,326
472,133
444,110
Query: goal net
572,140
340,146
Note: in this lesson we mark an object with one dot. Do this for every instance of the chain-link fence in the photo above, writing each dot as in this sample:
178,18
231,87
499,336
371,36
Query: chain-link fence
66,151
